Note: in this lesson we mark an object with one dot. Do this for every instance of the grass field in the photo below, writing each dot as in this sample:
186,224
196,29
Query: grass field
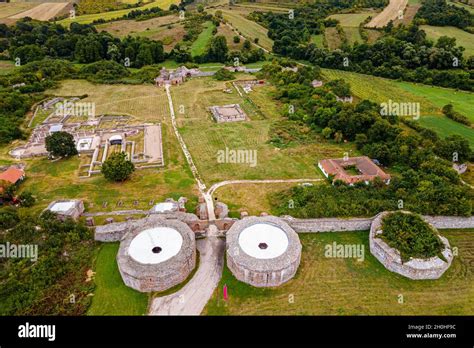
318,40
252,198
87,19
6,67
350,23
463,38
229,34
205,138
112,296
155,29
329,286
199,46
248,28
445,127
53,180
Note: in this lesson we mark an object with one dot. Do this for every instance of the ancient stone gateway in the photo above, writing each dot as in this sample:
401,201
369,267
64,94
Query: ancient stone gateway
263,251
415,268
157,255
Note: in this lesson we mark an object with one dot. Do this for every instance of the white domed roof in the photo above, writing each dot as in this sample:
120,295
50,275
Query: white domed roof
155,245
263,241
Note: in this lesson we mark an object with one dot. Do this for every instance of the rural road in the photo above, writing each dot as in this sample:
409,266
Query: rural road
192,298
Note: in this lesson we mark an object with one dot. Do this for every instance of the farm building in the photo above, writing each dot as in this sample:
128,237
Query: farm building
156,254
263,251
346,99
175,77
228,113
316,83
353,169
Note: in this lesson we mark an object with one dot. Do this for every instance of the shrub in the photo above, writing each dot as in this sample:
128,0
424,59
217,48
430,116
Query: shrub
411,236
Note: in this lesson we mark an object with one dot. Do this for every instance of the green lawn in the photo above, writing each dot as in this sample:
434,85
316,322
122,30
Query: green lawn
112,296
461,100
329,286
318,40
445,126
463,38
199,46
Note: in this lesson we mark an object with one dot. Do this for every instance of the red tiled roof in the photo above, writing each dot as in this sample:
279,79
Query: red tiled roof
368,169
12,175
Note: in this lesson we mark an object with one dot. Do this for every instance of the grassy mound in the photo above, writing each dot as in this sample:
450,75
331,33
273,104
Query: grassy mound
411,235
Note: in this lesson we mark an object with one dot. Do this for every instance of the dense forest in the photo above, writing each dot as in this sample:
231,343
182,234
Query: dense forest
440,13
424,179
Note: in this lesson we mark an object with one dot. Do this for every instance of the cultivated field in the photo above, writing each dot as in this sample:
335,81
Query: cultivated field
205,138
333,38
53,180
229,34
446,127
45,11
391,12
87,19
463,38
249,29
470,8
10,9
167,29
331,286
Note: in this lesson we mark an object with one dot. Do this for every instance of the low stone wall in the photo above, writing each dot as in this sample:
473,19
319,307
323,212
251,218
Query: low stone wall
328,224
363,224
431,268
114,232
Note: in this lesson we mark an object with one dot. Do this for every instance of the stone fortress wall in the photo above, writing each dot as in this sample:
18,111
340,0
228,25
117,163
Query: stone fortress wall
415,268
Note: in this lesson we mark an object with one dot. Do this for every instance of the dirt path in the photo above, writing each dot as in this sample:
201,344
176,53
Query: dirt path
391,12
192,298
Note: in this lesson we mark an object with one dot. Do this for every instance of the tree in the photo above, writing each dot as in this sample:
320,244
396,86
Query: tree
61,144
200,8
236,39
117,167
26,199
28,53
217,51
